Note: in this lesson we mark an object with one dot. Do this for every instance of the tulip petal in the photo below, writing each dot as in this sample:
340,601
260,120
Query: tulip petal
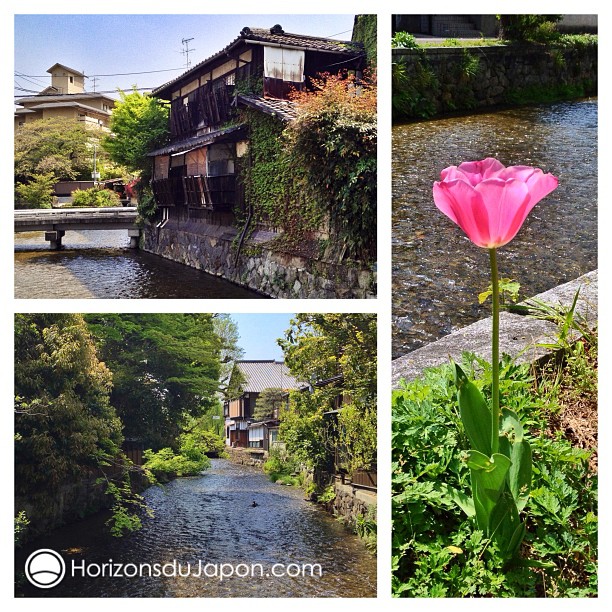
507,206
477,171
459,201
540,185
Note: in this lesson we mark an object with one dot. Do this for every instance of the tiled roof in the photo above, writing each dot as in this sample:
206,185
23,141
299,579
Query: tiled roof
285,109
276,36
266,374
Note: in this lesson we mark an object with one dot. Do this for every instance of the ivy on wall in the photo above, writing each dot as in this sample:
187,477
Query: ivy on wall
319,169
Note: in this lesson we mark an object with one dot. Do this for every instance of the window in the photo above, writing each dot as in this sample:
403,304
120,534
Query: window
72,79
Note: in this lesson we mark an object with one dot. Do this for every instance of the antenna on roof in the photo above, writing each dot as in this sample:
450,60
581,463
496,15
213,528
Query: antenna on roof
186,51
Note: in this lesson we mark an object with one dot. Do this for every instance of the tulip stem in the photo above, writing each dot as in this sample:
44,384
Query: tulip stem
495,354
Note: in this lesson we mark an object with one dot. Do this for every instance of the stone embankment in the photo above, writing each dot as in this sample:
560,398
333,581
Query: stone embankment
259,266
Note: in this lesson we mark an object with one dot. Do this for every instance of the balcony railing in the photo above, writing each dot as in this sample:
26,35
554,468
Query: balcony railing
215,193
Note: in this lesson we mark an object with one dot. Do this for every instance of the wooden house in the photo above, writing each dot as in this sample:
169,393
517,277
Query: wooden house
194,176
240,427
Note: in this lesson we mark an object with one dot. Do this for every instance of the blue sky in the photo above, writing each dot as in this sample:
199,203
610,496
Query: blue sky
258,334
112,44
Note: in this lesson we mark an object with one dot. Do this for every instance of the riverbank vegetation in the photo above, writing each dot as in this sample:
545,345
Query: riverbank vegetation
85,385
437,550
426,85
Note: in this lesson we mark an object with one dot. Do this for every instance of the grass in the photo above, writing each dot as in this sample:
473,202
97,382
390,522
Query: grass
437,550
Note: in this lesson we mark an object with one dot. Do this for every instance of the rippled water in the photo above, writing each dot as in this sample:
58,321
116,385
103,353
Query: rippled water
437,271
211,518
98,264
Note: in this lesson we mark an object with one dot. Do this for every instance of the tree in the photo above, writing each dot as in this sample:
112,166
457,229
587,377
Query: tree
227,332
139,124
165,369
60,146
65,427
336,354
269,403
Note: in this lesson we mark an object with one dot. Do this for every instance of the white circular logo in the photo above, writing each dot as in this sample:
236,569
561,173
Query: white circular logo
45,568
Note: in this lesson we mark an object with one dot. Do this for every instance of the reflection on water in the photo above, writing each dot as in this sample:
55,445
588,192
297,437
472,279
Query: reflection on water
437,271
211,518
98,264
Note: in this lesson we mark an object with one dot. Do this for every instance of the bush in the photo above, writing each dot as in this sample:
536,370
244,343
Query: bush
95,197
37,193
532,28
165,464
333,141
281,468
404,40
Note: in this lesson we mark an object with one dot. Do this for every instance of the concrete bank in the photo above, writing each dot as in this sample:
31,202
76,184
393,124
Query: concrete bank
519,334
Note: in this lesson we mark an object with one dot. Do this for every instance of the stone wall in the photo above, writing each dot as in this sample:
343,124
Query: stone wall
70,503
351,503
245,456
446,79
278,274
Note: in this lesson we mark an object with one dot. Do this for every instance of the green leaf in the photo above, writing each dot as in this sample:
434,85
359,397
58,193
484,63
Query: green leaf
517,449
488,483
464,502
519,475
475,413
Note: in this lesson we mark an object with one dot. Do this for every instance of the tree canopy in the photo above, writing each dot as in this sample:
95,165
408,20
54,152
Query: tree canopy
65,426
269,403
165,368
139,124
336,354
60,146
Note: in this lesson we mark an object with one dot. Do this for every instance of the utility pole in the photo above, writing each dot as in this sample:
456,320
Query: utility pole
93,80
186,51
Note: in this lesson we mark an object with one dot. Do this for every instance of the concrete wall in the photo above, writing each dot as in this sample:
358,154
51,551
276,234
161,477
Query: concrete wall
501,74
212,248
520,337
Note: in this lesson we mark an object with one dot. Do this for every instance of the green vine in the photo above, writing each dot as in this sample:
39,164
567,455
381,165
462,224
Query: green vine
273,184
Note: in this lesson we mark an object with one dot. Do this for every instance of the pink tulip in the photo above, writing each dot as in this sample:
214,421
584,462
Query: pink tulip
488,201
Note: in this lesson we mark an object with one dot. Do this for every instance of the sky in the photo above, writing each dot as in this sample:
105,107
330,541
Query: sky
258,334
113,44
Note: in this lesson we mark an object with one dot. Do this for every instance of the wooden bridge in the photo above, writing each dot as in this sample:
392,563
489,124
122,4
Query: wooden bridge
55,222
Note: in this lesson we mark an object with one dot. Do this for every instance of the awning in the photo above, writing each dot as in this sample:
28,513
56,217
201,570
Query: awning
195,142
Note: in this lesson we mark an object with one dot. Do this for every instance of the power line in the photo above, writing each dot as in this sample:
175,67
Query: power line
110,91
34,76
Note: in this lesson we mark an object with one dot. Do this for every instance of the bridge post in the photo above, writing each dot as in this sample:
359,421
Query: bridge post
54,239
134,236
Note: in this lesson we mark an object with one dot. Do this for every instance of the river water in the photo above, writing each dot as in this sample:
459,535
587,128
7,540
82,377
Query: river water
437,271
98,264
211,518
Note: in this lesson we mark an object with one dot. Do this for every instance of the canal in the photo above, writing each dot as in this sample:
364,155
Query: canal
98,264
212,519
437,272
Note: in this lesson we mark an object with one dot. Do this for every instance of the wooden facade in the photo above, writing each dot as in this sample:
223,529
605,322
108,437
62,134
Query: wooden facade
197,170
